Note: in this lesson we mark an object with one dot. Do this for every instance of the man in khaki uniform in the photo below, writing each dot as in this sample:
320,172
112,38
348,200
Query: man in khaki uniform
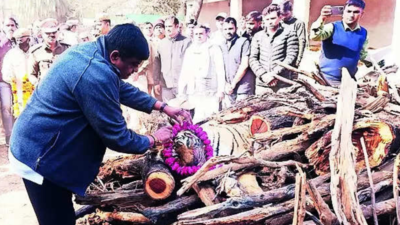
43,55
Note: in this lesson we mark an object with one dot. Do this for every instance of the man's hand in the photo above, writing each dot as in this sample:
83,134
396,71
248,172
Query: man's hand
326,12
229,89
179,115
220,96
269,79
163,135
157,89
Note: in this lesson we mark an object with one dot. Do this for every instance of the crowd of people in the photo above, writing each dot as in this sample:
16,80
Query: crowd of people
189,63
66,101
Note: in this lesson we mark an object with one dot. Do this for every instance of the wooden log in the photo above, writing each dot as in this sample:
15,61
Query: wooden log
100,217
325,214
155,214
115,198
121,168
382,208
274,196
249,184
300,198
206,193
371,183
247,161
378,135
342,157
396,186
157,178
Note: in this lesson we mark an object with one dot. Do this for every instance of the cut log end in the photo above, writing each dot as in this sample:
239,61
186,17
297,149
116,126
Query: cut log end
258,125
159,185
378,137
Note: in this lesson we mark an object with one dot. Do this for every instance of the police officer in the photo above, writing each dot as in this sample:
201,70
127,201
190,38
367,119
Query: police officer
43,55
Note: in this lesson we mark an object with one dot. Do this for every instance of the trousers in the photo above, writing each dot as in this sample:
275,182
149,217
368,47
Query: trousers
6,108
52,204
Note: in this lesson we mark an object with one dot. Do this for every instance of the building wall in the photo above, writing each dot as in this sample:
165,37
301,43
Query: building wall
378,19
252,5
210,10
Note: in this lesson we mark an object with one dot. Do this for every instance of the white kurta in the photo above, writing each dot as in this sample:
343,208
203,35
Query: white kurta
202,79
15,67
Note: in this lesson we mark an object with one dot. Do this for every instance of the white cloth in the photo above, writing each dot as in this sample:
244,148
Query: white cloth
203,71
15,66
23,170
205,106
134,118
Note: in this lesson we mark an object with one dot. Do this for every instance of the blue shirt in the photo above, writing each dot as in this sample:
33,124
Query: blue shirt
74,114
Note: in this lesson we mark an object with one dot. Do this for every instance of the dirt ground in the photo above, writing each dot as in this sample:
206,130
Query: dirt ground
15,207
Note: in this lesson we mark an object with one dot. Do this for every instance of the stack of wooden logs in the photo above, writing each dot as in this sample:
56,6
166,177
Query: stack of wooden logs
313,155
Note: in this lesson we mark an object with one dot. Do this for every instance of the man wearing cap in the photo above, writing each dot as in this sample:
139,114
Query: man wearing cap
15,69
344,42
102,24
291,22
43,55
240,79
158,32
253,24
6,44
70,36
168,60
218,37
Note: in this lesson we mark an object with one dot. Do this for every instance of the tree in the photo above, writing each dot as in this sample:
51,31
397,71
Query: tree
32,10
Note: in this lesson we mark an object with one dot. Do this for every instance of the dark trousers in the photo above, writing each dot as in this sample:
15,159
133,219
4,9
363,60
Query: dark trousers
52,204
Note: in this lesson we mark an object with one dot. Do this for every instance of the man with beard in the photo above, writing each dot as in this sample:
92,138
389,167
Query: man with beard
344,42
15,69
240,80
168,60
6,43
253,24
43,55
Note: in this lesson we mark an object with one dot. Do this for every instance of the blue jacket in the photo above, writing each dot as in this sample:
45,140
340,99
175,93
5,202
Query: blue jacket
342,49
74,114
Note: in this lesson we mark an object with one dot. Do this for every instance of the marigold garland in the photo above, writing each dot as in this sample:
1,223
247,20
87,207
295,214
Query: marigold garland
174,162
27,90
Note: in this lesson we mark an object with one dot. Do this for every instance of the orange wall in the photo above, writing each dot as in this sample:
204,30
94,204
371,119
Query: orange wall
251,5
210,10
378,19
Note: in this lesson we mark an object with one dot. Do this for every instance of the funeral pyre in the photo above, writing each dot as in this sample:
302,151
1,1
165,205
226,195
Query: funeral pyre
308,154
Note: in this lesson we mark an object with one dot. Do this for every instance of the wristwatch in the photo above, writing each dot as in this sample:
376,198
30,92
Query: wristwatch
163,106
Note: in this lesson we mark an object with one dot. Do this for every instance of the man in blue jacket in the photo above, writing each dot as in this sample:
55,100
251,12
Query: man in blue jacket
60,139
344,42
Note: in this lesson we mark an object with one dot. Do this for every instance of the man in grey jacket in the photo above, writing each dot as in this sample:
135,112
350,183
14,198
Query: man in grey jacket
274,44
168,60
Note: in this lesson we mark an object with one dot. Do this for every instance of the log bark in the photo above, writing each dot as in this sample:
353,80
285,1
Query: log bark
100,217
379,137
300,198
325,214
157,178
115,198
249,185
155,214
396,186
343,158
206,193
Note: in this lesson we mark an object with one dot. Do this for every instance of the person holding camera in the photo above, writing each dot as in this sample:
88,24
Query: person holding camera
344,42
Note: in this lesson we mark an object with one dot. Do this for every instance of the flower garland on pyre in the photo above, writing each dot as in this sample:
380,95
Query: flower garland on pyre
27,90
170,154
